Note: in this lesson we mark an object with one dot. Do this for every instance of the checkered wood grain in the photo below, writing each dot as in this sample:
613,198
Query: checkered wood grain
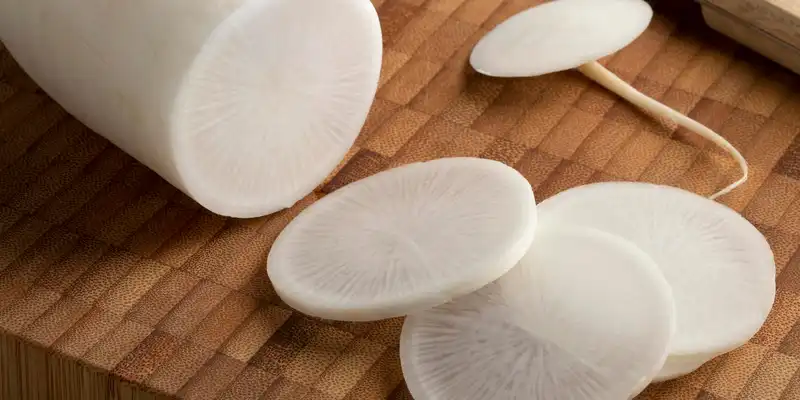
101,261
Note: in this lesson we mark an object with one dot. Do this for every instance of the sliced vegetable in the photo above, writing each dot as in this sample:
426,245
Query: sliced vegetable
566,34
404,240
584,316
246,106
720,267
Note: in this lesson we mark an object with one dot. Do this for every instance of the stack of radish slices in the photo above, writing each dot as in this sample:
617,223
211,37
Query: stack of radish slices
593,294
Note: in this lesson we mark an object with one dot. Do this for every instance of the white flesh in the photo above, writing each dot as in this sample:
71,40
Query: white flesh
565,34
559,35
245,105
584,316
404,239
720,267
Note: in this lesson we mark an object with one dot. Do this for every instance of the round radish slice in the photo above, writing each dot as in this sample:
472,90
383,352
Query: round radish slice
405,239
564,34
583,316
244,105
559,35
720,267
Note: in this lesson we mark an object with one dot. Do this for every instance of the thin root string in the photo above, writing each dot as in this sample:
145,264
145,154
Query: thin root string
612,82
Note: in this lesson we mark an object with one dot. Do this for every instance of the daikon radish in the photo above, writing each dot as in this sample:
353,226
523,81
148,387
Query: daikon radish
565,34
245,105
404,240
584,316
720,267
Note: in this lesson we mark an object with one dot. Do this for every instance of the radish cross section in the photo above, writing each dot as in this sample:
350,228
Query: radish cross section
720,267
244,105
584,316
566,34
404,240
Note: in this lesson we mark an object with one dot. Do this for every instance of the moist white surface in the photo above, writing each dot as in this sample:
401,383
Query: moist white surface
245,105
405,239
583,316
720,267
559,35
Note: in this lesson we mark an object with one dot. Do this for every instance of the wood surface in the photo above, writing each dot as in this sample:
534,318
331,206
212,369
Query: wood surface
770,27
778,18
110,279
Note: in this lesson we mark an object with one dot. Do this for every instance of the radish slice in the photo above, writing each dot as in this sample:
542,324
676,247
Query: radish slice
405,239
245,105
559,35
566,34
584,316
720,267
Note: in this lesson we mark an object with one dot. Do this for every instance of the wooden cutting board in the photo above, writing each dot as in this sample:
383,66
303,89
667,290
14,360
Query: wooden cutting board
770,27
114,284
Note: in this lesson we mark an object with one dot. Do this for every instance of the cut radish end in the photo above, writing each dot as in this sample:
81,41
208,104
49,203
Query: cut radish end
584,316
720,267
237,102
559,35
404,240
260,123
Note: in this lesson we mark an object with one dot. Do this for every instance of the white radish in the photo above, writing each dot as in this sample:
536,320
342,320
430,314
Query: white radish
566,34
720,267
584,316
244,105
404,240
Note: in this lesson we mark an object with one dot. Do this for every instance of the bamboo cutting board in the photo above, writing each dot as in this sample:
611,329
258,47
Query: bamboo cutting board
114,285
770,27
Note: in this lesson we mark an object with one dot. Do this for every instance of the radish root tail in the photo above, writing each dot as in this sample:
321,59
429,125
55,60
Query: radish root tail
612,82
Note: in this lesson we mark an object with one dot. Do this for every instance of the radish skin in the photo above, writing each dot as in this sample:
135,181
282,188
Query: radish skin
612,82
244,105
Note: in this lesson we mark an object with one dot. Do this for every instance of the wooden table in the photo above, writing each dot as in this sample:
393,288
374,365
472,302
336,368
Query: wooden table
113,282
